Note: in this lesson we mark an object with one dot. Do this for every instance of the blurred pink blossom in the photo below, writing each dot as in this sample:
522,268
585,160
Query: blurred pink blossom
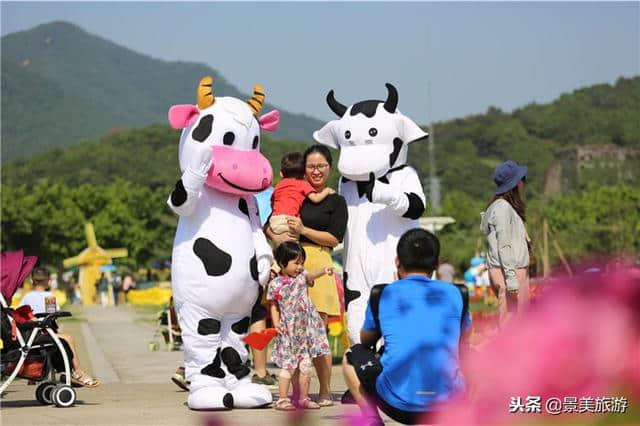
580,339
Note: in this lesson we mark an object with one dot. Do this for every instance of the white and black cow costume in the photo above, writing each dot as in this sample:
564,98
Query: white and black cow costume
220,255
384,195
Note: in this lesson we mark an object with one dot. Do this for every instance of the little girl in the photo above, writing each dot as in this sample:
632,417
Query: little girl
301,332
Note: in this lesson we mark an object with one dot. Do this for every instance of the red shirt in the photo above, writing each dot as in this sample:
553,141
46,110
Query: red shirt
288,196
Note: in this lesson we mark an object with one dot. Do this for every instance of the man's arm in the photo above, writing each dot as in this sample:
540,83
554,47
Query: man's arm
369,334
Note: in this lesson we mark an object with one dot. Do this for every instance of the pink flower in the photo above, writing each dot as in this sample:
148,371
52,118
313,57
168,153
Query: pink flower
580,339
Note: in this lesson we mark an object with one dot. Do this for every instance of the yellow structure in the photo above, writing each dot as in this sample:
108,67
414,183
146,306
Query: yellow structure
90,260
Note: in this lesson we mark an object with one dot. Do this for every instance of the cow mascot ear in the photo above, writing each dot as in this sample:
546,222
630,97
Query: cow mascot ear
409,131
327,134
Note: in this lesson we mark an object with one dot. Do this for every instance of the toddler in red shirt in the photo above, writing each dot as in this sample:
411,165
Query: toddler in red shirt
291,191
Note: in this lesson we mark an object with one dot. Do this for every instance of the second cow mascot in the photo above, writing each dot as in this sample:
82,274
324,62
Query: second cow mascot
220,255
384,195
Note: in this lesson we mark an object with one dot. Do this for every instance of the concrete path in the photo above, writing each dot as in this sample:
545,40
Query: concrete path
136,387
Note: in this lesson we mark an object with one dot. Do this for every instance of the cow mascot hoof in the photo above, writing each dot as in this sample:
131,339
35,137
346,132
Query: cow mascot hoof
220,255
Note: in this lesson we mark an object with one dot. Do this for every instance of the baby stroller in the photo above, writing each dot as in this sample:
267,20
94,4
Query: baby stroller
31,349
168,328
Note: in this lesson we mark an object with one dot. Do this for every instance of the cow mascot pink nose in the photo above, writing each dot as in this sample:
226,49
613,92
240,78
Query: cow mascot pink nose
221,258
239,172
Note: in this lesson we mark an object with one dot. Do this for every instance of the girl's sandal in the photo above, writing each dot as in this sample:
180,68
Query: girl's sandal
308,404
80,378
325,402
284,404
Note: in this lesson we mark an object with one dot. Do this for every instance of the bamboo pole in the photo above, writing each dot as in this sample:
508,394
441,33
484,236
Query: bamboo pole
545,248
561,255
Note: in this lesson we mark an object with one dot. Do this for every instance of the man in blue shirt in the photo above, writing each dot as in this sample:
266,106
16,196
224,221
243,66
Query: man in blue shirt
421,321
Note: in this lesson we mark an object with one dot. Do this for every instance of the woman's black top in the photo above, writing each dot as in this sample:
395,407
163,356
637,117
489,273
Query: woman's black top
330,215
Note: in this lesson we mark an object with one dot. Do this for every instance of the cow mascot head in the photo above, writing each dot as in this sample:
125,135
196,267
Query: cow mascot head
230,127
372,136
220,255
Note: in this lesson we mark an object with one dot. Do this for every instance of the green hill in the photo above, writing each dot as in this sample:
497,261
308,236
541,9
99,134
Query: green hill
61,85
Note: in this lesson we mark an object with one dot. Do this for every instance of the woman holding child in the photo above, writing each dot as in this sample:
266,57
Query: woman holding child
319,227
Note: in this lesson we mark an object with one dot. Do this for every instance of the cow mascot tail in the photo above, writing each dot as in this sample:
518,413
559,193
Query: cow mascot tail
220,255
384,195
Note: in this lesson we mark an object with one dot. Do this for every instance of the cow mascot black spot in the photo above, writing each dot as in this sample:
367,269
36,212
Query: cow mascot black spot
384,195
220,255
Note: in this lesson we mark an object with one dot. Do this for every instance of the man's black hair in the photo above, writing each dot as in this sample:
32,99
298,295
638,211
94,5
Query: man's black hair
292,165
287,251
418,250
40,275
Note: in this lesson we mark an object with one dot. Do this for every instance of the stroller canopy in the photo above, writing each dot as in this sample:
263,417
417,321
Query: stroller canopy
14,267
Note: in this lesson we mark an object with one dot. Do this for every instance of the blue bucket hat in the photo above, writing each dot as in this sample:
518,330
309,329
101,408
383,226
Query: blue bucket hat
507,176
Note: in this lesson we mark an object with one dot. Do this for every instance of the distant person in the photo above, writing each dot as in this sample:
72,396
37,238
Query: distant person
504,225
128,283
117,288
291,191
103,290
424,323
37,299
446,272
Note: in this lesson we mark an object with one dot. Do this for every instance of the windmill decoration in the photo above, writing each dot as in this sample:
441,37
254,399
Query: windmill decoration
90,260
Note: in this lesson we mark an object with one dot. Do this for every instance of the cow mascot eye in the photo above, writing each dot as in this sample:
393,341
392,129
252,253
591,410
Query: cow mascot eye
256,140
228,138
347,134
373,131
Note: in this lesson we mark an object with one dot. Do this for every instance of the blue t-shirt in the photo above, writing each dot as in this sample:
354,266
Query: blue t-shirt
420,322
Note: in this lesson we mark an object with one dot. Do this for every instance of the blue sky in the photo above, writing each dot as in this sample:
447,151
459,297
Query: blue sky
474,55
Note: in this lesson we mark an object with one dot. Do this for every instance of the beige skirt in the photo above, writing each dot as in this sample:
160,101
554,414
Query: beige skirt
324,293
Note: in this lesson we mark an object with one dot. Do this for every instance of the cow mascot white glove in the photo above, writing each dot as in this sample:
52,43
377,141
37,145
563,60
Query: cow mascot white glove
384,195
220,255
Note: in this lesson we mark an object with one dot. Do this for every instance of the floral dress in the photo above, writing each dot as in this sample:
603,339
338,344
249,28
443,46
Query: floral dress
304,331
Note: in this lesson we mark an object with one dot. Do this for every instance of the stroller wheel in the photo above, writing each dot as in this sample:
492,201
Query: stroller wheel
64,396
44,393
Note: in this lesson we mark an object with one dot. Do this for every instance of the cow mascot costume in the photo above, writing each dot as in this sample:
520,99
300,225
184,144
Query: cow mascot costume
384,195
220,255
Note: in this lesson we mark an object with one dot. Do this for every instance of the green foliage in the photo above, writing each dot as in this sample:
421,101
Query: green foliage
600,220
460,241
48,220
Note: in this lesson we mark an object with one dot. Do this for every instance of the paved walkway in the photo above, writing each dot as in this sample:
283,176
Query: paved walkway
136,387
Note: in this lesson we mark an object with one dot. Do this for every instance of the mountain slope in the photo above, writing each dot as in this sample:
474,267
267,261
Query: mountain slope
98,85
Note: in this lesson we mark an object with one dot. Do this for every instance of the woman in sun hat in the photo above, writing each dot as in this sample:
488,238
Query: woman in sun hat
504,225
